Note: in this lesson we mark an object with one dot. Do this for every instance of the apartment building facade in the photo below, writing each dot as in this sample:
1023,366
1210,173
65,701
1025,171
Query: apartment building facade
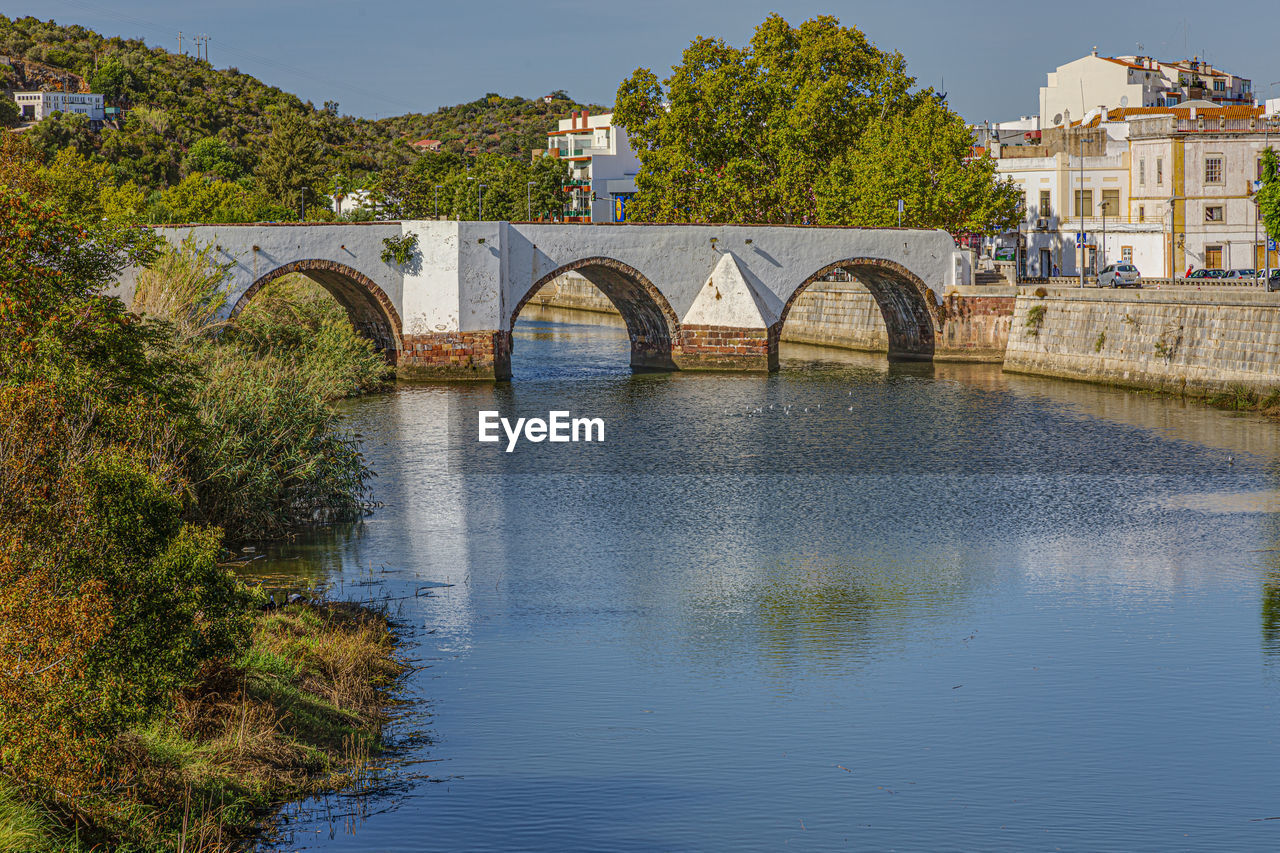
1137,81
1162,188
600,166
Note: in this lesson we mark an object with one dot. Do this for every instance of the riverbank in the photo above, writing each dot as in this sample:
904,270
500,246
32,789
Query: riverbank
299,712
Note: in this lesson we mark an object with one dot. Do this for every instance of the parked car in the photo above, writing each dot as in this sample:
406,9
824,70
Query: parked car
1249,274
1119,275
1273,283
1207,274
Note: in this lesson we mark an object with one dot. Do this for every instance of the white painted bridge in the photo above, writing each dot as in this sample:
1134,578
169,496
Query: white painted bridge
692,296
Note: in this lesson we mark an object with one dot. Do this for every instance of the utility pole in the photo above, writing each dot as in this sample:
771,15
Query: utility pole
529,213
480,198
437,201
179,41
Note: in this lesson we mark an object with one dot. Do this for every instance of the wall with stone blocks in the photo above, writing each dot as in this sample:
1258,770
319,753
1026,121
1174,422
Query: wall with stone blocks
844,314
1184,341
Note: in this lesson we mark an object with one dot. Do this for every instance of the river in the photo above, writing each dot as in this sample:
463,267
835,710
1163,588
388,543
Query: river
851,605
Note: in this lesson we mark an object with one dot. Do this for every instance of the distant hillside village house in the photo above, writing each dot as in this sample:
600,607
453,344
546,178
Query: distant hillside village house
427,145
35,106
1158,170
601,167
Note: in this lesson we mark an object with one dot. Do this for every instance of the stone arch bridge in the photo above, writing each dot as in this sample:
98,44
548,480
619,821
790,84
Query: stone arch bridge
692,296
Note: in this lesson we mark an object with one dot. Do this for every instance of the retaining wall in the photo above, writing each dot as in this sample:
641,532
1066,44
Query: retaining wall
1174,340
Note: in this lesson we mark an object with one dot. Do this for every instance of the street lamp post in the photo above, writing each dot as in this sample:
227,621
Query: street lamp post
472,178
480,200
529,213
437,213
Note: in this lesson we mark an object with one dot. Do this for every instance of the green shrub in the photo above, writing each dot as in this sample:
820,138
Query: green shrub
1035,319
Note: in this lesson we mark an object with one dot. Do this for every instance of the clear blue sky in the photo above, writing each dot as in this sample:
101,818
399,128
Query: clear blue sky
387,57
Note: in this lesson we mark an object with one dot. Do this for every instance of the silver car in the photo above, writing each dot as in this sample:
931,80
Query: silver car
1237,274
1119,275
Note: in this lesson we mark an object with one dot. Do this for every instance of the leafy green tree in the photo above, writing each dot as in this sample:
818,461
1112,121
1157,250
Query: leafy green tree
549,194
292,166
1269,194
86,190
64,130
212,156
923,157
199,198
112,80
810,124
9,112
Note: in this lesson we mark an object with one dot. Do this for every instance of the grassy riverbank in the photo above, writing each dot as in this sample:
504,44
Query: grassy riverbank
298,712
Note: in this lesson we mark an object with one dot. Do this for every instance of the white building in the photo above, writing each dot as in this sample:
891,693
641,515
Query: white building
1137,81
1163,188
601,166
35,106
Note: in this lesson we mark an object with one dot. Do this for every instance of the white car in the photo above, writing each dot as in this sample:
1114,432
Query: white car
1119,275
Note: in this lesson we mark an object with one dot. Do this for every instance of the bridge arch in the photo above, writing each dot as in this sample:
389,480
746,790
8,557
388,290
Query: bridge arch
910,308
370,309
652,324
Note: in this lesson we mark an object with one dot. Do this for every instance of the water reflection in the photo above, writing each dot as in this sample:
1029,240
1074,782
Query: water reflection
943,608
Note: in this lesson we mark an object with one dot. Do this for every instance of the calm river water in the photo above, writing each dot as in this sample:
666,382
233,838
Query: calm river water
850,605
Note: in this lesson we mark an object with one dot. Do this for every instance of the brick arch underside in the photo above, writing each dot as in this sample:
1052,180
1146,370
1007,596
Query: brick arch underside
652,324
910,309
367,305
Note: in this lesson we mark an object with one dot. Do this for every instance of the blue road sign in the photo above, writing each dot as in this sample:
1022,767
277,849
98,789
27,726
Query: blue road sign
1271,244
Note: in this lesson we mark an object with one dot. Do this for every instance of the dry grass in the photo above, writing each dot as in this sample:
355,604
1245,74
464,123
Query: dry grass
300,713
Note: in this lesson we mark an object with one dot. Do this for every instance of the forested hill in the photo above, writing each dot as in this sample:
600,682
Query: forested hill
493,124
173,101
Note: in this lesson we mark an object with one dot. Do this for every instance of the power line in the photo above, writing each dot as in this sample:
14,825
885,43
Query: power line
276,64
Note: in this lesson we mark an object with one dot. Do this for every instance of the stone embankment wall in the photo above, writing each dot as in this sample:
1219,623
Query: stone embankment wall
1190,341
844,314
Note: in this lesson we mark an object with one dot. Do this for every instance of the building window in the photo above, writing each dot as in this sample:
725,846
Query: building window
1142,213
1142,172
1213,257
1126,254
1159,171
1110,203
1213,170
1084,202
1045,208
1213,213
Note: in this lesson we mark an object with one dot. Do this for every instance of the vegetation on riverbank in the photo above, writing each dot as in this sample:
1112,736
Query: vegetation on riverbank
130,445
299,711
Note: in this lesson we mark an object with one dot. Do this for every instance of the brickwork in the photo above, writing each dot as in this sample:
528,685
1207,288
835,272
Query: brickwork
456,356
727,348
975,327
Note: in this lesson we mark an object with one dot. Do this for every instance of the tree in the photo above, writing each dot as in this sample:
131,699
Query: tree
64,130
924,158
212,156
768,132
549,194
109,603
293,165
1269,194
9,112
112,80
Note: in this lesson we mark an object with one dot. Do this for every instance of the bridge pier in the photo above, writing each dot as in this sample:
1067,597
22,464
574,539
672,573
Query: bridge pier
705,347
456,355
